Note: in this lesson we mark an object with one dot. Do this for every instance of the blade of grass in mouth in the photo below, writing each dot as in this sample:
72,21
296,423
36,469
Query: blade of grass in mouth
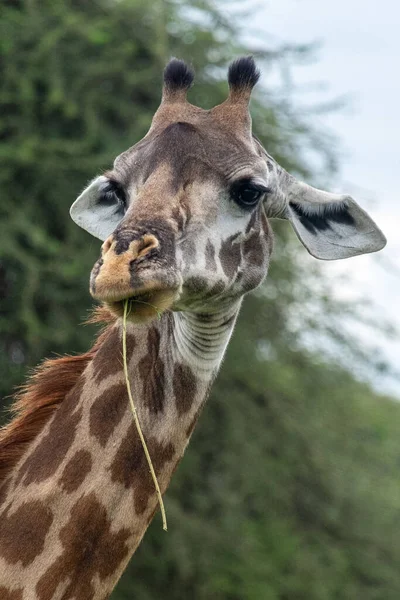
136,418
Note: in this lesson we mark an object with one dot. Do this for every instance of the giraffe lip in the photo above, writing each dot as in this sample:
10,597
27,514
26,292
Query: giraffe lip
135,299
144,297
144,305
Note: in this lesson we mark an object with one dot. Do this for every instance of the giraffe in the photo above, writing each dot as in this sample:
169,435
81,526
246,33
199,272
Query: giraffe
184,220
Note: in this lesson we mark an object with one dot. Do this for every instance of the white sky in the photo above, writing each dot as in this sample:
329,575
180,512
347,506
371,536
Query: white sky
359,58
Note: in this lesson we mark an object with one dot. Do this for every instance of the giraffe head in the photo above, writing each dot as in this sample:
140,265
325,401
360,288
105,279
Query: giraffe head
184,213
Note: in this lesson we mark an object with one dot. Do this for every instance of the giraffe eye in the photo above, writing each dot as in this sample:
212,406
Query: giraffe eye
247,194
112,193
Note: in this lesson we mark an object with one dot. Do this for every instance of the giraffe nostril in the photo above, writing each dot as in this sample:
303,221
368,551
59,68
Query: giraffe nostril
139,247
107,245
146,243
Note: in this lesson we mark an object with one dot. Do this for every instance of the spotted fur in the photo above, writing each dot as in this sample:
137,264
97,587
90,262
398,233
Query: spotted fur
75,471
90,548
23,532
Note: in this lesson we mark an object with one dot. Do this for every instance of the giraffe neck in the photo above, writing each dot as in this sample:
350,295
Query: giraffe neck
81,498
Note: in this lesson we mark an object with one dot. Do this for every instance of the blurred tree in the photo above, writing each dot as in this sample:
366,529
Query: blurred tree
290,487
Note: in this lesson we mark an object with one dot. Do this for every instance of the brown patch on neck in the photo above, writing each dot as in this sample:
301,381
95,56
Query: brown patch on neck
23,533
91,548
6,594
130,467
40,397
185,388
152,372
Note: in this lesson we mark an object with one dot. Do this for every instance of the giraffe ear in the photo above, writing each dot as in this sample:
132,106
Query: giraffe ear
98,209
331,226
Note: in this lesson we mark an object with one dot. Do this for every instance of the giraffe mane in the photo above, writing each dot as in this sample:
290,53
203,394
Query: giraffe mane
38,399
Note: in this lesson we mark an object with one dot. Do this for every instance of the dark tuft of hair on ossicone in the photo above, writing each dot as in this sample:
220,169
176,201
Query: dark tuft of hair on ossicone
178,75
243,73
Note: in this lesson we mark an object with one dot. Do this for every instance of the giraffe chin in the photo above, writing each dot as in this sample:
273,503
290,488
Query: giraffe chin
144,306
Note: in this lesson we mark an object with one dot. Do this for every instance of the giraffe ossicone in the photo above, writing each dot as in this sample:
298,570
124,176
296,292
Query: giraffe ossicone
183,216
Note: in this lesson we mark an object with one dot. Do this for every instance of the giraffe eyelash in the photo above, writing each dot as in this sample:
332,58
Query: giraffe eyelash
247,193
111,193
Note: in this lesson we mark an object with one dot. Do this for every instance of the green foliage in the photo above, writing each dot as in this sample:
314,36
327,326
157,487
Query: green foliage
289,489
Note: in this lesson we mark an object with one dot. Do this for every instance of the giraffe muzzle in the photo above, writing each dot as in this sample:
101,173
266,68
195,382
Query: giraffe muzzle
129,269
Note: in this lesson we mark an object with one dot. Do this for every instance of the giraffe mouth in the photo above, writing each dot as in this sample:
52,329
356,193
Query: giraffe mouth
144,305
